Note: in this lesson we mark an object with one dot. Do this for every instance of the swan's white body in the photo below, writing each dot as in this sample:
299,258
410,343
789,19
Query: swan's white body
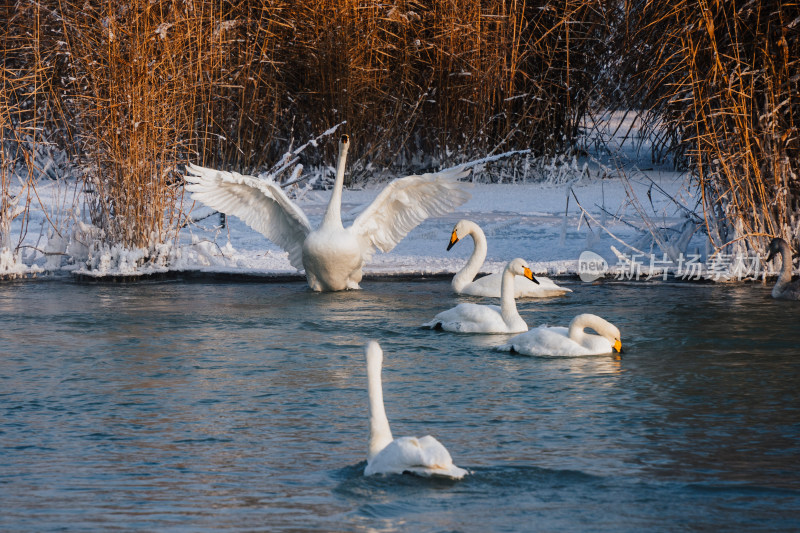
784,289
464,281
331,255
476,318
424,456
568,342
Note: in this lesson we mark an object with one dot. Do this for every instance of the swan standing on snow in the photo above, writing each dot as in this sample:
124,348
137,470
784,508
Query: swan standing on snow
331,255
784,289
572,342
476,318
425,456
490,285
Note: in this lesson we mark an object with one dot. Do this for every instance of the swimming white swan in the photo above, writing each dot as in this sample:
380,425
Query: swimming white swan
331,255
784,289
560,341
476,318
464,281
425,456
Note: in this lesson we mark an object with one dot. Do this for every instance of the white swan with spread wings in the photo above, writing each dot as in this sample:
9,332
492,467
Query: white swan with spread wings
331,255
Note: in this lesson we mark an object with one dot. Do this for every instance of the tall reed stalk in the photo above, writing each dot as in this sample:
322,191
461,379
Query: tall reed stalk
449,78
127,60
22,89
11,205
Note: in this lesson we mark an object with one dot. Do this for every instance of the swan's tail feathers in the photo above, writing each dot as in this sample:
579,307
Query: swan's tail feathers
423,456
404,204
547,287
261,204
451,472
427,456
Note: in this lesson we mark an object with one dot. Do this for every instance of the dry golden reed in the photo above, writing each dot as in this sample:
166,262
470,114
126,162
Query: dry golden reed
143,86
133,89
21,91
723,80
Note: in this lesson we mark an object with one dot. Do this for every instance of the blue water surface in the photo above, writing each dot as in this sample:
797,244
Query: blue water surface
216,406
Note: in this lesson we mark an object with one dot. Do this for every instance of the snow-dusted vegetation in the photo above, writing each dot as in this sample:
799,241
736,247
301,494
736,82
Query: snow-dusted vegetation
102,104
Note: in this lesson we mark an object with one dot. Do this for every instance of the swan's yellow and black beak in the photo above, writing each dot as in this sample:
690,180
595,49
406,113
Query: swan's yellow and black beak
453,240
618,345
344,139
529,275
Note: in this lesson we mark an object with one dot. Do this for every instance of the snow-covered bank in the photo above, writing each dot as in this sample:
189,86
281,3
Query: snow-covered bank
549,225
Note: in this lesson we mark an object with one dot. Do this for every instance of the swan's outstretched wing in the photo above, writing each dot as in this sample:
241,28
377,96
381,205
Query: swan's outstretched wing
404,204
425,456
261,204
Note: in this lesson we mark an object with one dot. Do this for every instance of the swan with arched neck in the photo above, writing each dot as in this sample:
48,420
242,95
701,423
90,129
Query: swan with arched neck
568,342
464,281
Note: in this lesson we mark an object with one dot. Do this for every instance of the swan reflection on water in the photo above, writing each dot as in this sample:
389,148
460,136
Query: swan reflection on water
584,365
593,365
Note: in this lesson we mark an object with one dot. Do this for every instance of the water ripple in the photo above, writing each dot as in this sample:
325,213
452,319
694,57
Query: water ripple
205,407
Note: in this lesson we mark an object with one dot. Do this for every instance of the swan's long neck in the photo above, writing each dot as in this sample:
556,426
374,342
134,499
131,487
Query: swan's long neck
785,277
581,322
508,306
333,215
379,433
465,276
576,328
786,263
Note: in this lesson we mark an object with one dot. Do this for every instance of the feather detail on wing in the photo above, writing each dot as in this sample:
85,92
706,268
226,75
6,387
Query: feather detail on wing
261,204
403,204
